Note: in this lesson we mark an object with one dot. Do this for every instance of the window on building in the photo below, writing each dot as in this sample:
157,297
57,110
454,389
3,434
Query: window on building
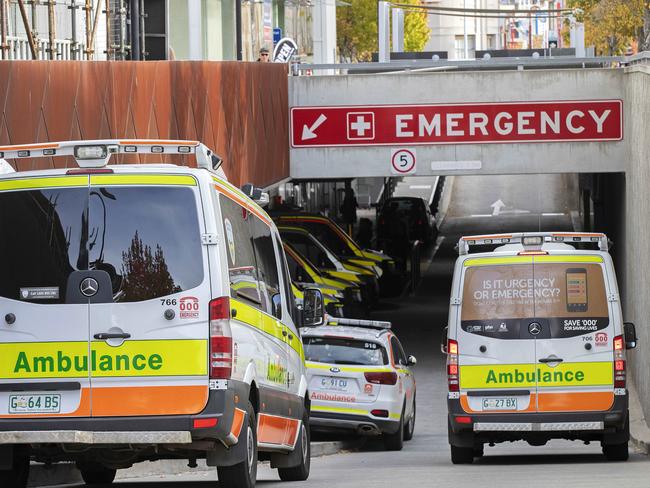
459,44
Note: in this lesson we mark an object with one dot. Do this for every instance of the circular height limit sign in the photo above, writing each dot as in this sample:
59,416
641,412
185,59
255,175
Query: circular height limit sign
402,161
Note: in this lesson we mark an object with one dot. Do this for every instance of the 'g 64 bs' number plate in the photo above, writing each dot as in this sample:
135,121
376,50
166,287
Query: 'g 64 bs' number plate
34,403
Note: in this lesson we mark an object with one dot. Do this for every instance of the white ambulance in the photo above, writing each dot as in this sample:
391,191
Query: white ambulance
146,313
536,344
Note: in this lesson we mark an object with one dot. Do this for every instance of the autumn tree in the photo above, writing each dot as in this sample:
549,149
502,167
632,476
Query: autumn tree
356,27
145,272
610,25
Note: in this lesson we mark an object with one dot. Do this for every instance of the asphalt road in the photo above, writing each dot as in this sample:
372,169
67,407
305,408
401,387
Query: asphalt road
425,461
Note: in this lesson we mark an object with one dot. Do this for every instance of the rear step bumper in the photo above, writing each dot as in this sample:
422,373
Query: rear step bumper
326,421
544,424
164,429
86,437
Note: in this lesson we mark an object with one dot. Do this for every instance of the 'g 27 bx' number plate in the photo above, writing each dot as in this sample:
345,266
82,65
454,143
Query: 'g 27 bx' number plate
40,403
508,403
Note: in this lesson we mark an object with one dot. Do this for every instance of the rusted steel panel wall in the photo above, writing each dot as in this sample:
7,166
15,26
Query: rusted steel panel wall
240,110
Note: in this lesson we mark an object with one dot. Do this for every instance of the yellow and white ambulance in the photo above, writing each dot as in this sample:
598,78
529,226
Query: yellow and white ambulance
146,313
536,344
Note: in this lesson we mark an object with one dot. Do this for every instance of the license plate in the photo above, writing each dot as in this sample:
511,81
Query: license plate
500,403
336,384
34,403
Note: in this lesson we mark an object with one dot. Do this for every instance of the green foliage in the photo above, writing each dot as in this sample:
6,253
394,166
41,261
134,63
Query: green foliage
610,25
356,29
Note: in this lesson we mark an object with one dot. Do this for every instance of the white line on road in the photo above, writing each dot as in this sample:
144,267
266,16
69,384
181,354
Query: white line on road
481,215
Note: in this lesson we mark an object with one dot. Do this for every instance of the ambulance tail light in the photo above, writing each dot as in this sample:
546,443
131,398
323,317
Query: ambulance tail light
383,378
452,365
220,339
620,375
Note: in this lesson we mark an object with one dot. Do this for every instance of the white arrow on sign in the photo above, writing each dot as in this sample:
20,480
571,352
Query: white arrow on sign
497,206
308,132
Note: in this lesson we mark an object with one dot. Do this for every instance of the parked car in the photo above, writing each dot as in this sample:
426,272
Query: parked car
360,380
304,273
345,248
327,262
414,212
147,314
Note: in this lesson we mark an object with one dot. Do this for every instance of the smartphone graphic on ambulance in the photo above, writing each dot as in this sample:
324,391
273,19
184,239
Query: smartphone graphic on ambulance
576,290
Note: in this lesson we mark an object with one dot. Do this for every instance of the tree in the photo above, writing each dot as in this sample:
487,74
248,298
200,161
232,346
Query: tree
644,35
145,272
356,27
610,25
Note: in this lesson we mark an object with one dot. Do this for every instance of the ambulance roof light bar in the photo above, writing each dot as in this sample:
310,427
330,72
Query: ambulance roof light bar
96,154
370,324
532,239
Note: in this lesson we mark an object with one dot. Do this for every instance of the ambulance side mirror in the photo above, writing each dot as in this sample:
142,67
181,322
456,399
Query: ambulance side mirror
629,332
443,340
313,312
411,361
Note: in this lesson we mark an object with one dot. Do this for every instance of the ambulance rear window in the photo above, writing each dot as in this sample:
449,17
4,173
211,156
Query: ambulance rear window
566,299
146,238
339,350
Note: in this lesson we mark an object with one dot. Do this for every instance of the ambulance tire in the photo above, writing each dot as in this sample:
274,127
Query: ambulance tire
618,449
462,455
395,442
244,474
409,430
479,451
17,477
96,474
300,472
616,452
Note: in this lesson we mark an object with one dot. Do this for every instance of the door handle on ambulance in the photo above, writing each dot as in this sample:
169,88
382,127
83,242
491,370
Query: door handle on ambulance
107,335
551,360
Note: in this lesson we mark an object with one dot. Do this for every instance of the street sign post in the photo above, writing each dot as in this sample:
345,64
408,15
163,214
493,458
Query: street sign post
403,162
471,123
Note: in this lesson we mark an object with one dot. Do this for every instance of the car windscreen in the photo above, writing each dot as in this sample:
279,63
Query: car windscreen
568,299
332,240
339,350
146,238
309,249
403,205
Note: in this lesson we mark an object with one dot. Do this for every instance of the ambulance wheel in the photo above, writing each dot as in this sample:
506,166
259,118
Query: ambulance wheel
395,442
300,472
244,474
96,474
410,425
17,477
462,455
616,452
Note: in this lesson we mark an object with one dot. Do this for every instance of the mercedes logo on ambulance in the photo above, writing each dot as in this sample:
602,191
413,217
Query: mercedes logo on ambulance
89,287
534,328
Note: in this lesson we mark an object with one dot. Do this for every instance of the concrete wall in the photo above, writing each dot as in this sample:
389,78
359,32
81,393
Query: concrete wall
461,87
635,281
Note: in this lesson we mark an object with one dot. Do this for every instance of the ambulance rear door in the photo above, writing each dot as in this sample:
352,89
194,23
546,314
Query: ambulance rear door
43,315
496,352
574,343
149,331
